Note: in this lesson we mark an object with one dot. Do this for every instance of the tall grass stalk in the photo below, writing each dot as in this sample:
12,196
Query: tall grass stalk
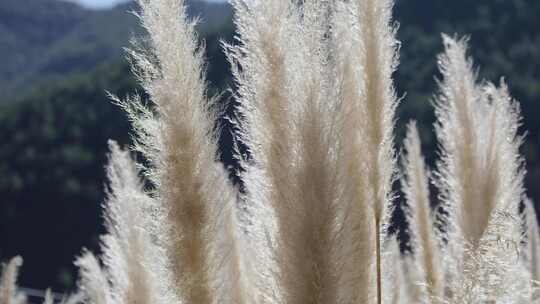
177,137
480,177
379,59
424,241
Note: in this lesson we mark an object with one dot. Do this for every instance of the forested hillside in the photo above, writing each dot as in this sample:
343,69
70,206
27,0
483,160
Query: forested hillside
55,118
48,41
505,42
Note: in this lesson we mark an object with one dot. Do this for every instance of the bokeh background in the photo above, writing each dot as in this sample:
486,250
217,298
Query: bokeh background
60,57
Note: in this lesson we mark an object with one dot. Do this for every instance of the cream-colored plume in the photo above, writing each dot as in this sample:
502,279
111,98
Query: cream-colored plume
132,261
533,240
396,289
481,181
177,137
48,297
93,282
378,59
8,283
278,67
424,241
532,248
304,116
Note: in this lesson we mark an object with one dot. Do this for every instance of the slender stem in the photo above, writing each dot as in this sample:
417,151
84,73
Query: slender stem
378,245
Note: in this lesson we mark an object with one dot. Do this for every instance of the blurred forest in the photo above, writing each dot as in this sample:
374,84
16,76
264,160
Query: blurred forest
55,117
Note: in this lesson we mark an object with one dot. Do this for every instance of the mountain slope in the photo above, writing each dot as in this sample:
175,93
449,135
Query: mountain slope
45,40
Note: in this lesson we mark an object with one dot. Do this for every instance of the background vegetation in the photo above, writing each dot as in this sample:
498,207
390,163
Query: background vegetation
55,118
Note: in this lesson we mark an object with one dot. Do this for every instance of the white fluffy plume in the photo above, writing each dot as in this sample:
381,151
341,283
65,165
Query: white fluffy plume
48,297
8,283
277,67
480,178
133,268
93,282
378,58
132,261
532,253
320,137
424,240
177,137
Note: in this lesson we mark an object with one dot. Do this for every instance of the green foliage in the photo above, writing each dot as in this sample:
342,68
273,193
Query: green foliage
55,40
54,149
46,40
504,39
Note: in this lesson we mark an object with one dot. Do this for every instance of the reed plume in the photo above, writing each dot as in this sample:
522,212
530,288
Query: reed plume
357,237
133,269
532,247
48,297
379,59
177,136
8,283
132,261
480,178
93,284
533,240
396,290
424,241
279,69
